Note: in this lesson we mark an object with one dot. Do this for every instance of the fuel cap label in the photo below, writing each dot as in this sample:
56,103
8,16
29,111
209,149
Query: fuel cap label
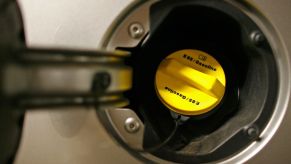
198,62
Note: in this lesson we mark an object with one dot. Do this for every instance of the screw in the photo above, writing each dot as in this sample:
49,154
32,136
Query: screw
136,30
257,37
253,132
131,125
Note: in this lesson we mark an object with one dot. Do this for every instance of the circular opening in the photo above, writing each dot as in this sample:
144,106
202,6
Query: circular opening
245,44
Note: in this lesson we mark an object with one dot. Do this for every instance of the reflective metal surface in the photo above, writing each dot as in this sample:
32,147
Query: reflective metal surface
78,137
61,136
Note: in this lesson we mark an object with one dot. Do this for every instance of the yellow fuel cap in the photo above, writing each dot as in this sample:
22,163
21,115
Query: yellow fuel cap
190,82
